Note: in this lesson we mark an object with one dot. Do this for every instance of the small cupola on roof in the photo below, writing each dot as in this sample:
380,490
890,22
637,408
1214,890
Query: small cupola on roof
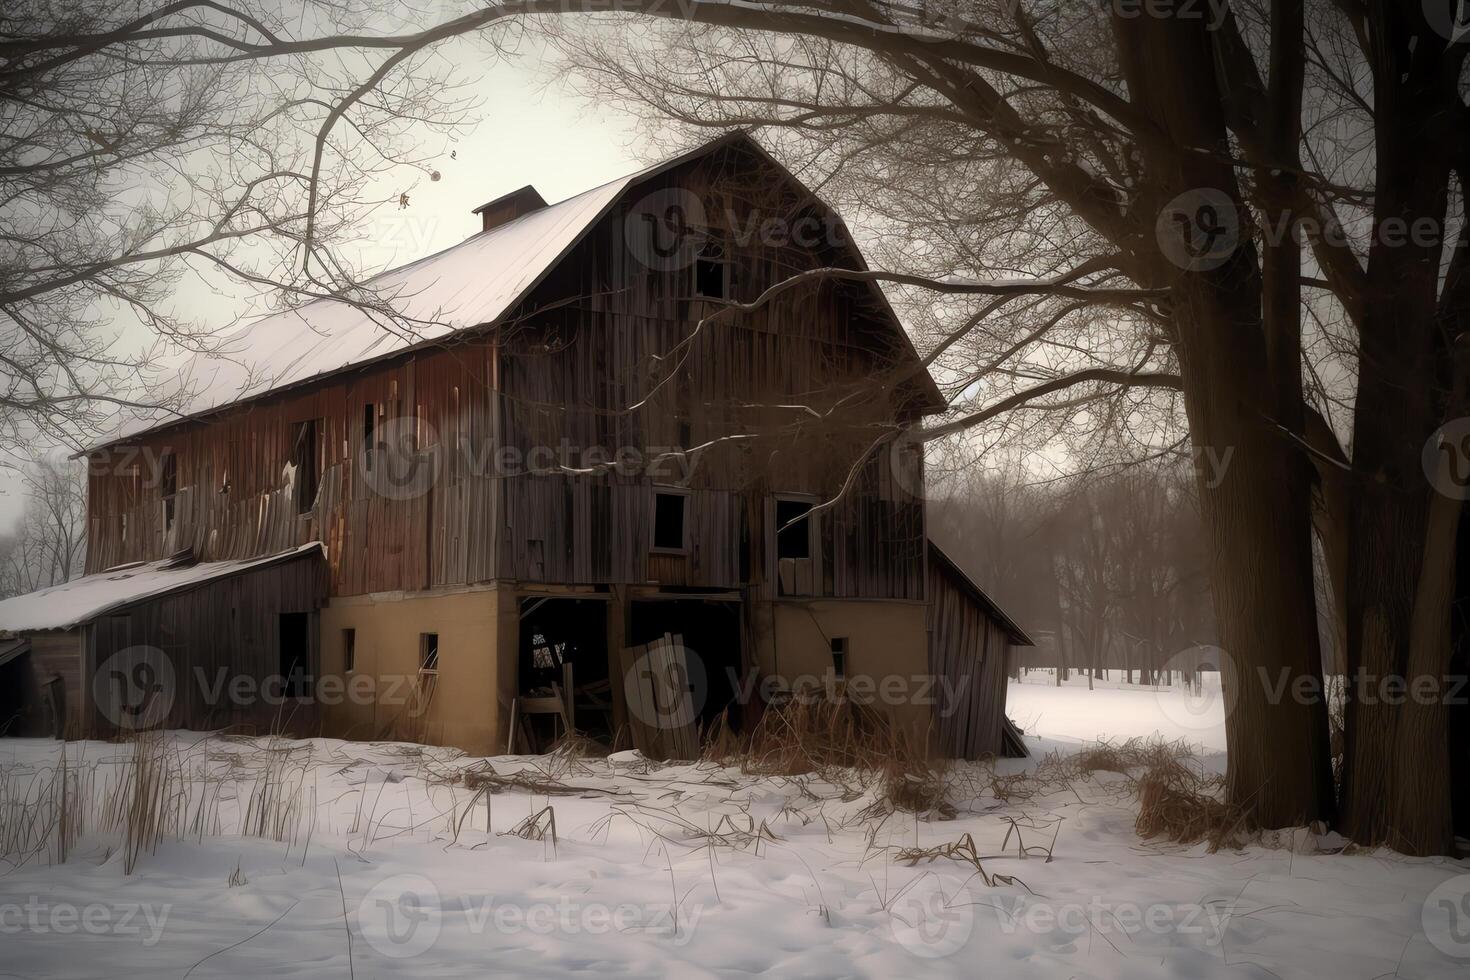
509,207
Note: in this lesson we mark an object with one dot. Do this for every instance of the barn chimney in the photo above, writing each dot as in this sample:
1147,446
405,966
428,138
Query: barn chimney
509,207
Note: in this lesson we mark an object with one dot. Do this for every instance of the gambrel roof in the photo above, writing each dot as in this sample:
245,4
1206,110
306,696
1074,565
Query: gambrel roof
470,285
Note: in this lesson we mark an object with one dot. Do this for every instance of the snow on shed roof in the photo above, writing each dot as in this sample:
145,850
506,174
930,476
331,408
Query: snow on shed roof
472,284
84,599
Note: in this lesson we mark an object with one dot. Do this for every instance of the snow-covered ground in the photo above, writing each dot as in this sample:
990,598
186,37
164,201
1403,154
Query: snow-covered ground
694,871
1117,710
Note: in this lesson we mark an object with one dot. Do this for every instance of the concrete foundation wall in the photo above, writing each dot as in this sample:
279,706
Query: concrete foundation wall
468,700
466,704
887,644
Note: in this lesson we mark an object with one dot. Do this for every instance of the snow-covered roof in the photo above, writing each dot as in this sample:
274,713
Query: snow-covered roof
472,284
84,599
467,285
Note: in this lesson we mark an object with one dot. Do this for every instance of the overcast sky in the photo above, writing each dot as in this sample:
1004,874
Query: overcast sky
527,133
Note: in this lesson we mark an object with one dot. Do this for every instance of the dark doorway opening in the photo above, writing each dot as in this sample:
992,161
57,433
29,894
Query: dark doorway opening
295,654
20,714
557,634
711,632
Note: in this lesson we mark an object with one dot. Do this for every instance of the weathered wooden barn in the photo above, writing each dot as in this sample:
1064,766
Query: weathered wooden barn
586,428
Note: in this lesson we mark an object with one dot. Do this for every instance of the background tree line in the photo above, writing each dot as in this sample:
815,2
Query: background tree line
1106,572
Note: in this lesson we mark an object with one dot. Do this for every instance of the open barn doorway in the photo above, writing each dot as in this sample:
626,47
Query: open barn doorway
711,632
19,710
563,650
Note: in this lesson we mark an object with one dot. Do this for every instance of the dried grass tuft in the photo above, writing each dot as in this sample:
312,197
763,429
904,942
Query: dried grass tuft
1124,757
1181,804
809,734
914,786
962,850
537,826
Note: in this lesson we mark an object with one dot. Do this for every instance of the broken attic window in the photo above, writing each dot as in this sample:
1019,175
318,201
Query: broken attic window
169,488
369,428
712,273
307,462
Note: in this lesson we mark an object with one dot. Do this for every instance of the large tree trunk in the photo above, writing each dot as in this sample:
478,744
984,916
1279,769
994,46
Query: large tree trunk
1260,562
1258,515
1400,566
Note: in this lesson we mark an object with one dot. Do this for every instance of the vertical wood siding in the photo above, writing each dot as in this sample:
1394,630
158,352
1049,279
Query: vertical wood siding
968,654
785,398
221,630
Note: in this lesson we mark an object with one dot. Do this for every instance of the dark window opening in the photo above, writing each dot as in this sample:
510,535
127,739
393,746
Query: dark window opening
670,520
794,541
349,650
369,431
169,488
712,273
308,469
839,657
295,654
429,652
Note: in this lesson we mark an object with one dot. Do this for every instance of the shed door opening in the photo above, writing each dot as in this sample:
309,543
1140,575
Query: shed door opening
295,653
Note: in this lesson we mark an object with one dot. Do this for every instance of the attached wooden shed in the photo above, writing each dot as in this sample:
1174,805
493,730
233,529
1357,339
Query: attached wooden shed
970,643
173,643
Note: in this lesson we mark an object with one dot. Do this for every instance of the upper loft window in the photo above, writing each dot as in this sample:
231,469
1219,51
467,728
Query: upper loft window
168,485
712,272
307,460
369,433
670,521
794,528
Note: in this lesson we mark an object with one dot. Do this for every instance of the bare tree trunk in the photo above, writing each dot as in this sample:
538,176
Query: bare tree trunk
1401,538
1257,515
